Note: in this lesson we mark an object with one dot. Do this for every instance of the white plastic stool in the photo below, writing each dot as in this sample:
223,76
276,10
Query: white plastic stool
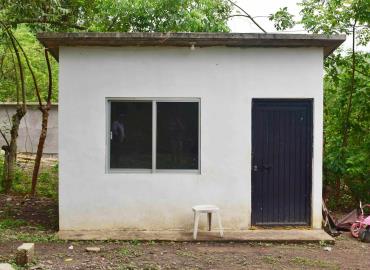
209,210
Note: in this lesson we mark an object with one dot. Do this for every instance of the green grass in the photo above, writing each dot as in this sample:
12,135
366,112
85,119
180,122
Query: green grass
9,223
130,252
19,230
186,254
314,263
132,266
270,259
47,185
135,242
35,236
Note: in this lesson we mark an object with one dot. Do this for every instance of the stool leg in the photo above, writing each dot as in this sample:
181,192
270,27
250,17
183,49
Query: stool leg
209,221
196,221
220,224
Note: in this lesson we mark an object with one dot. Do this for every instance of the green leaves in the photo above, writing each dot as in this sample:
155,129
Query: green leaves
346,94
28,17
349,163
34,51
282,19
329,17
160,16
118,15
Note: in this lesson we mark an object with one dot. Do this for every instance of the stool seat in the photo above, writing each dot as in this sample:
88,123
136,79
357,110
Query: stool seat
208,209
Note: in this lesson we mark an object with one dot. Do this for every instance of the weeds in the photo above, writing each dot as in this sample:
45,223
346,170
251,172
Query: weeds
132,266
135,242
186,254
130,252
47,185
313,263
11,223
27,236
270,259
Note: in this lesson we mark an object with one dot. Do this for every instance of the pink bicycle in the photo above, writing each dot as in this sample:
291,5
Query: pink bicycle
361,223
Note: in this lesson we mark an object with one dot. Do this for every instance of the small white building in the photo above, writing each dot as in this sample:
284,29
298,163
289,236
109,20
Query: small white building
151,124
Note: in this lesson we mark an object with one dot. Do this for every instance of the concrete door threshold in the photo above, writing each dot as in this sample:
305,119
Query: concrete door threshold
260,235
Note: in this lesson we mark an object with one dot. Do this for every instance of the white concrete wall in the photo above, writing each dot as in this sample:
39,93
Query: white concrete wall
225,79
30,128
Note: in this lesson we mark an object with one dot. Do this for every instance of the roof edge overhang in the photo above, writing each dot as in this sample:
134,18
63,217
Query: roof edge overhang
53,40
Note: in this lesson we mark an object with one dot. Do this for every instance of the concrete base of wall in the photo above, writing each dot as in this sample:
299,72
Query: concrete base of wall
267,235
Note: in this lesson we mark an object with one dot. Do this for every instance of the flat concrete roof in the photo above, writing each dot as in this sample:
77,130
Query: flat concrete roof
53,40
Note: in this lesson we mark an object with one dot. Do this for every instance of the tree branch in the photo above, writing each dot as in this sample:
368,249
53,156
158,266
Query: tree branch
363,73
21,71
31,70
352,90
247,15
50,86
16,77
114,20
43,21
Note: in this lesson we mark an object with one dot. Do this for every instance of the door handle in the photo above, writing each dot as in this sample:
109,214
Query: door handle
264,167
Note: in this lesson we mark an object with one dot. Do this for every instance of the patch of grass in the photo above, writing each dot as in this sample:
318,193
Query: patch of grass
130,252
47,185
9,223
8,211
132,266
313,263
186,254
37,236
134,242
270,259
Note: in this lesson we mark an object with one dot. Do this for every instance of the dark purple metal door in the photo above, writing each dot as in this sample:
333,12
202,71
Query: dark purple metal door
281,161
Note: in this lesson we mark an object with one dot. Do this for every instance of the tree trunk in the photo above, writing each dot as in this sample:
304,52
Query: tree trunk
346,123
11,150
40,147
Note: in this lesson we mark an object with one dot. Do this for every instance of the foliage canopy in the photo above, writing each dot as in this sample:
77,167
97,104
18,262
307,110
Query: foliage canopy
28,17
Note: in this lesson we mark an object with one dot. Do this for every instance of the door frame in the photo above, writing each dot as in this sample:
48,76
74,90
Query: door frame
311,152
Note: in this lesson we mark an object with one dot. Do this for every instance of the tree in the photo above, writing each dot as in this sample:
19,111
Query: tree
10,148
349,162
35,53
346,91
97,15
119,15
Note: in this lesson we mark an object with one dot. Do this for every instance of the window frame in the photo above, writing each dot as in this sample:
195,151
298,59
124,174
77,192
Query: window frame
154,101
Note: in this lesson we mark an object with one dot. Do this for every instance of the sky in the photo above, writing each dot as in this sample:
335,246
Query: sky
264,8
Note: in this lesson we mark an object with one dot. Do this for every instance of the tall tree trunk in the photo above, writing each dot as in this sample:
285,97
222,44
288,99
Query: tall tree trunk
11,150
40,148
346,122
44,124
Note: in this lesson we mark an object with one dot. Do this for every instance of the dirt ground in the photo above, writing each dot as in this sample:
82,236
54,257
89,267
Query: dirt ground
40,227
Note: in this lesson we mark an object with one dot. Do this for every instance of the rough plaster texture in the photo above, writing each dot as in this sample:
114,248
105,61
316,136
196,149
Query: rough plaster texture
225,79
30,128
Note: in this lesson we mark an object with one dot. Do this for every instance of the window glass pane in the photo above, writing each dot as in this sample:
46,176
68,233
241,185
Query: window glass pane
131,135
177,135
